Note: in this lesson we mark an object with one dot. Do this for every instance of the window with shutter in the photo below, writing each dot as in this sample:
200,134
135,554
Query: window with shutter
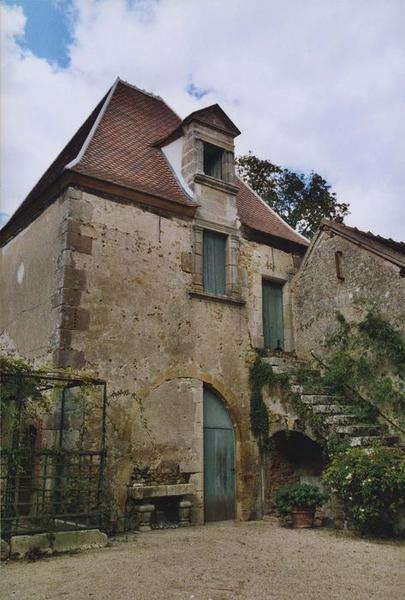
213,157
272,302
214,245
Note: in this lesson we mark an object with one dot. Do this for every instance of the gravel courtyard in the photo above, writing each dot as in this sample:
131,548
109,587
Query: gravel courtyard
256,560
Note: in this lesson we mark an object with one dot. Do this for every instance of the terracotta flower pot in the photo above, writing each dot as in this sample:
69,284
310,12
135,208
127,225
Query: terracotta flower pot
303,517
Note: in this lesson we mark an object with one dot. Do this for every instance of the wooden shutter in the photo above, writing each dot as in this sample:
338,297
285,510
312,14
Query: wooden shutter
214,262
273,327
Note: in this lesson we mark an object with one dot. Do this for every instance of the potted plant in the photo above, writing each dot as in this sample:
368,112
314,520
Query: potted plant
300,501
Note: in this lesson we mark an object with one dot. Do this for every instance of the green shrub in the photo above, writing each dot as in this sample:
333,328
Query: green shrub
298,495
371,486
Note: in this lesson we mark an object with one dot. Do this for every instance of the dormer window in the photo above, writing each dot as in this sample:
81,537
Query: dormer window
213,161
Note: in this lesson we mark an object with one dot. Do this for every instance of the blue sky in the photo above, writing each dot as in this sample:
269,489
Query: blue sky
315,85
48,28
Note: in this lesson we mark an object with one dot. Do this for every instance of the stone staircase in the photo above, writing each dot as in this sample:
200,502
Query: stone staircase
339,417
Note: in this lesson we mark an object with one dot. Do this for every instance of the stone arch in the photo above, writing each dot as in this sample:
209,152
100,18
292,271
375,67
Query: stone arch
231,401
246,449
293,457
231,407
291,424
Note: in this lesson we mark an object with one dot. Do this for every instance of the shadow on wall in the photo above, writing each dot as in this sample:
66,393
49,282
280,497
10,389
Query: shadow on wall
293,458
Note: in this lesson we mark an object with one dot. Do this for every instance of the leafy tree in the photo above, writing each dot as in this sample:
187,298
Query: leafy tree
301,200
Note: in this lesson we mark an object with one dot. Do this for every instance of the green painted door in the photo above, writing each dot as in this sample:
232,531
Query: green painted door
273,327
219,460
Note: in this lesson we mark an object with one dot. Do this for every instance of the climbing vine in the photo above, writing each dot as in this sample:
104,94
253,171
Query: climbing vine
261,375
369,357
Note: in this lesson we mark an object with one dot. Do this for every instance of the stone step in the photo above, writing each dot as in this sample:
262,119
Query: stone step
340,419
371,440
284,365
321,399
332,409
280,361
298,389
359,429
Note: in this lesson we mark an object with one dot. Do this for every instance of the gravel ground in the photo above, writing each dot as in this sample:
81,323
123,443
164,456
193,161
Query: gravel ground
256,560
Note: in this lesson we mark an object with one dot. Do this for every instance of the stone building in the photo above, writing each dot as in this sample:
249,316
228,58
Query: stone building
140,257
348,271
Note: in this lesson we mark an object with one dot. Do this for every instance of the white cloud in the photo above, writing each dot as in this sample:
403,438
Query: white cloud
312,85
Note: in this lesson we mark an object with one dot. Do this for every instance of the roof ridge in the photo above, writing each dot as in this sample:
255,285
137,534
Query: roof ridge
150,94
138,89
95,125
376,236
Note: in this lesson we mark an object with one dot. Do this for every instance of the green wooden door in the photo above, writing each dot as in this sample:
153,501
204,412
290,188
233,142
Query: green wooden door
273,327
219,460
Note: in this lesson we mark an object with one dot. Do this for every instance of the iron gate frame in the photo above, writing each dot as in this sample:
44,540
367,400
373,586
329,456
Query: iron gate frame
54,518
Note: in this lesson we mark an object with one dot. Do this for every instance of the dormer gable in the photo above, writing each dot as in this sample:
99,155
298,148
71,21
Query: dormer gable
208,156
214,117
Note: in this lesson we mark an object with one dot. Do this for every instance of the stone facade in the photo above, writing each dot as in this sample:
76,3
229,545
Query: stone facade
122,296
31,272
150,335
109,279
319,292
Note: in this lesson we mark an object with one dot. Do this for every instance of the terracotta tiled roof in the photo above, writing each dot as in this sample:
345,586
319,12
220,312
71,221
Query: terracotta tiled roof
122,149
386,247
118,144
256,214
69,153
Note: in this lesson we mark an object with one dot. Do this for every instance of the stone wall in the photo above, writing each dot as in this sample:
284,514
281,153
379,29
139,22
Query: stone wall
150,338
113,282
318,293
30,273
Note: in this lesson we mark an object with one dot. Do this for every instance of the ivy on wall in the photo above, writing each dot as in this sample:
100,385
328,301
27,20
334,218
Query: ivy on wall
261,375
369,357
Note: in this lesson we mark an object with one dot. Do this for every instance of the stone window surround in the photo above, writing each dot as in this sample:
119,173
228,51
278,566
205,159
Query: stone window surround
232,284
228,181
287,309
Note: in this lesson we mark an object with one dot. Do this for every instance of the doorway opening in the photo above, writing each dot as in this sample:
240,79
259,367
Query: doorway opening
292,458
219,460
272,306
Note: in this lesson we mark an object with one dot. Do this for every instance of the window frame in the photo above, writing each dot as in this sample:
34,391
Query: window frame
212,149
281,285
214,266
232,284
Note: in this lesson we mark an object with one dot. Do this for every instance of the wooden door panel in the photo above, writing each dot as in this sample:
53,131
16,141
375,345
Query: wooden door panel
219,480
273,326
219,460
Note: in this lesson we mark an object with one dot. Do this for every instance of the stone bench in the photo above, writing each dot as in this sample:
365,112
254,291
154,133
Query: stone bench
143,496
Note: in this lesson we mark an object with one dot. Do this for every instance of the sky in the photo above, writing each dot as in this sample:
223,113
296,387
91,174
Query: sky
315,85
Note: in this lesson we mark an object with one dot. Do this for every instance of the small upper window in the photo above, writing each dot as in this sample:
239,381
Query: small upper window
213,161
338,265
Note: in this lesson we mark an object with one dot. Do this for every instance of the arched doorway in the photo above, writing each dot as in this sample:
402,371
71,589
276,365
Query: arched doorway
293,457
219,460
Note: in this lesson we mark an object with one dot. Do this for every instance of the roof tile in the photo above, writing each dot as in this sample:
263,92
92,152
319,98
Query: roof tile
118,143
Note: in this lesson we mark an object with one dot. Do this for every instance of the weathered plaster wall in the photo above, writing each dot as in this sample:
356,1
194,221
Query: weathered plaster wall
258,262
147,336
30,274
106,287
318,293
